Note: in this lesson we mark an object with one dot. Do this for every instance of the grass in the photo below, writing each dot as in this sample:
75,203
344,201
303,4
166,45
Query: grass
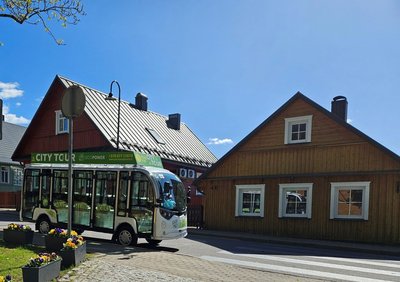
13,257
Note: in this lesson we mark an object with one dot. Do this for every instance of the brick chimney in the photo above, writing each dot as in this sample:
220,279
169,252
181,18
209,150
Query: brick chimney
339,107
141,102
174,121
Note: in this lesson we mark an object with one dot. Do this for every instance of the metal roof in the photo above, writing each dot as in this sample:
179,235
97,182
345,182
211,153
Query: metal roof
180,145
12,134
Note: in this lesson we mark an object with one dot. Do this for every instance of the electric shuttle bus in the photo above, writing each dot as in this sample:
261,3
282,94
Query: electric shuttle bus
127,194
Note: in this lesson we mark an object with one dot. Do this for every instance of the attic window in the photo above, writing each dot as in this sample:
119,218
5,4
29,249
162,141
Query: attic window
298,129
61,123
155,136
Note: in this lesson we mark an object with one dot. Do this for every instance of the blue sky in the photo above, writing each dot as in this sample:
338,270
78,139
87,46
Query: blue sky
225,65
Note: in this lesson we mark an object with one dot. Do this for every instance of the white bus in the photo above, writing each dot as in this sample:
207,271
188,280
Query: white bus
129,200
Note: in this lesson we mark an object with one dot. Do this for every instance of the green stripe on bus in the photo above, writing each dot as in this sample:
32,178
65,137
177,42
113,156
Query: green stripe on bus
98,158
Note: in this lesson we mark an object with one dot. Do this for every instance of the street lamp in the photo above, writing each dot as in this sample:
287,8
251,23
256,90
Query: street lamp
110,98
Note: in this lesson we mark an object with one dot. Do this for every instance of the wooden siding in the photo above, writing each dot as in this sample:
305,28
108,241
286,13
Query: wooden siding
336,153
295,160
10,200
42,130
383,224
333,148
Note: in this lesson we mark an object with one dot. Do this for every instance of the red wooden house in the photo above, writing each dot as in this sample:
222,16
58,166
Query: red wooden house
305,172
95,130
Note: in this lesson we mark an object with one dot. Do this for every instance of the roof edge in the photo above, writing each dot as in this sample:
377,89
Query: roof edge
277,112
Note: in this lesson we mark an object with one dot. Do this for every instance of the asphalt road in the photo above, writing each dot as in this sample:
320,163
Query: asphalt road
294,260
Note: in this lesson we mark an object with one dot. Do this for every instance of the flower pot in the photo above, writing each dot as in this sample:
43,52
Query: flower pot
18,237
73,256
43,273
54,244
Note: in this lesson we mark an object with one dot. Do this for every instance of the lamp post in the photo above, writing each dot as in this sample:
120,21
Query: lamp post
109,98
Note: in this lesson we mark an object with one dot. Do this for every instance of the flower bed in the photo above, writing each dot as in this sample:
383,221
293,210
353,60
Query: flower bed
74,251
5,278
18,234
56,238
43,267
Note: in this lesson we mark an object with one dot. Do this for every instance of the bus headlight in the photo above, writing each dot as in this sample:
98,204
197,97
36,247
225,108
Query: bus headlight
166,214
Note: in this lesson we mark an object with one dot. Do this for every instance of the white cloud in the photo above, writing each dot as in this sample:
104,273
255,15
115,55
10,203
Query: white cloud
217,141
12,118
9,90
18,104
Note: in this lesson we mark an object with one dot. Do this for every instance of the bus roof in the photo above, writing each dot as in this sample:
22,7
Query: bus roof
97,167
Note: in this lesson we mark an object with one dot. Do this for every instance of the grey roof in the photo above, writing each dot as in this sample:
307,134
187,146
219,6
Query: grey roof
12,134
180,145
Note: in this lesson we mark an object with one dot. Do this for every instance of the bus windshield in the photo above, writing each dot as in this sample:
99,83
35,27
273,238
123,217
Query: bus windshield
172,192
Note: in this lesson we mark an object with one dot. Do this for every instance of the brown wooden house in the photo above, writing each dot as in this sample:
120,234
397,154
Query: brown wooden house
305,172
141,130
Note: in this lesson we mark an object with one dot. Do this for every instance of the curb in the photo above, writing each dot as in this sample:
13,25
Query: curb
390,250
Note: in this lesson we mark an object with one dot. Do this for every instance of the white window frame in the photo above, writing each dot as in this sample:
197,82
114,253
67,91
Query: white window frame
4,175
298,120
335,187
60,117
240,189
283,201
18,175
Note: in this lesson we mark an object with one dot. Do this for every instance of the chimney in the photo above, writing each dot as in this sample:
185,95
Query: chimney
174,121
339,107
141,102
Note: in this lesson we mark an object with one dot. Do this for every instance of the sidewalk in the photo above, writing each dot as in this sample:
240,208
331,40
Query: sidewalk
111,262
393,250
165,266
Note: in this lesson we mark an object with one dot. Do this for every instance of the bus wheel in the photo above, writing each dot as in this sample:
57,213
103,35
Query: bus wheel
43,225
153,243
126,236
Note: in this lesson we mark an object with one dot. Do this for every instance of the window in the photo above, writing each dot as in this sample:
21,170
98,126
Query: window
298,129
155,136
18,175
295,200
349,200
250,200
4,174
61,123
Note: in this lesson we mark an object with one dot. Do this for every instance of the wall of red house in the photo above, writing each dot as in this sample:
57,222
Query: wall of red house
196,200
43,127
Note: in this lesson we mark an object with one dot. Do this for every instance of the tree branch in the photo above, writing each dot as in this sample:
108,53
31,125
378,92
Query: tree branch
12,17
42,11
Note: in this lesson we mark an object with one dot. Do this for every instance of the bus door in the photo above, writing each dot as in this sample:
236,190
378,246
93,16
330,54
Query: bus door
104,199
82,197
142,202
31,192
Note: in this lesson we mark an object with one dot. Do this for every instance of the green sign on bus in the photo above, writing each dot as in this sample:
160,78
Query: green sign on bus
99,158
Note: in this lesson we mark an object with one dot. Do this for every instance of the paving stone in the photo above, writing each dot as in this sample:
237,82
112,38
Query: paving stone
165,266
